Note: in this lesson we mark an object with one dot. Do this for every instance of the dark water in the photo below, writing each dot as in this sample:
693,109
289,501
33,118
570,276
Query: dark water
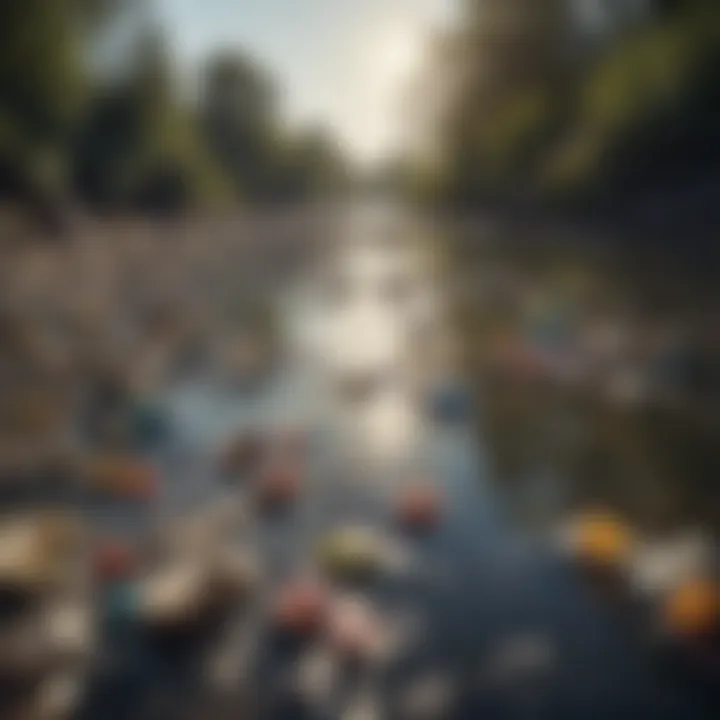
479,582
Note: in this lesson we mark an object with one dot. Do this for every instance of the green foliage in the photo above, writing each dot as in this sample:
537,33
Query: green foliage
573,123
130,142
243,129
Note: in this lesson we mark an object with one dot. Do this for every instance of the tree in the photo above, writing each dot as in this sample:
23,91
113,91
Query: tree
238,116
140,146
514,58
43,90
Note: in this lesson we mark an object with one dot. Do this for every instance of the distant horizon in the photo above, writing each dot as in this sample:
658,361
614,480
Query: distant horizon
340,64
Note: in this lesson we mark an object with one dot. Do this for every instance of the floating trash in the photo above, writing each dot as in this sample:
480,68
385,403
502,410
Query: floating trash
300,609
173,598
659,565
419,508
692,610
278,485
352,553
601,540
114,560
354,629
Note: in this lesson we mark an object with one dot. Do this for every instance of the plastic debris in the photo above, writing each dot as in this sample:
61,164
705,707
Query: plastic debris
174,596
355,630
602,539
352,552
114,560
300,609
419,508
693,609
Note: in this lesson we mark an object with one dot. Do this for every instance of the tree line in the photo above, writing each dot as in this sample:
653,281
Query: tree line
542,104
125,134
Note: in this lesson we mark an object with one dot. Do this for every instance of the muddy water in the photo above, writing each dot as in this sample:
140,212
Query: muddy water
476,588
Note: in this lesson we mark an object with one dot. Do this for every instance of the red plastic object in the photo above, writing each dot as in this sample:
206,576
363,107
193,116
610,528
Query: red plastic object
279,485
419,508
114,560
301,609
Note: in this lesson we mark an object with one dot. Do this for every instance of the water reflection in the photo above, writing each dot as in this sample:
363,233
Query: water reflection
429,501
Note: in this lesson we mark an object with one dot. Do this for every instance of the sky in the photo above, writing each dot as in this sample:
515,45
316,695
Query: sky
343,63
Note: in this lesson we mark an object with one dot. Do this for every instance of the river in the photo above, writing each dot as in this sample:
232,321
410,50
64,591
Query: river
481,588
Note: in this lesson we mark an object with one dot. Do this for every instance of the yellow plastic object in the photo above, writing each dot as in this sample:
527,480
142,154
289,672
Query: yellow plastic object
351,551
693,609
603,539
